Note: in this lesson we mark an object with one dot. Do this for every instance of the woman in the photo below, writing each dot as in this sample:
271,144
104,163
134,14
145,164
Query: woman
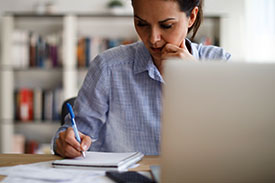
118,108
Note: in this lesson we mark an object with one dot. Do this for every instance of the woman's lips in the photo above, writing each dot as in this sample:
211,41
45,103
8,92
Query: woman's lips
156,50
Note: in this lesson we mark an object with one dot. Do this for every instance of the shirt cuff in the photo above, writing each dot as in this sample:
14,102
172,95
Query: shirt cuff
53,141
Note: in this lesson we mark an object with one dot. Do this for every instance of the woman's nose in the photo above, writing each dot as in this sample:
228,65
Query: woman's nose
155,36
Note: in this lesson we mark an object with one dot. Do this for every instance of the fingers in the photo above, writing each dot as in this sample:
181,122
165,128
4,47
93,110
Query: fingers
66,150
86,142
68,146
170,48
174,51
71,140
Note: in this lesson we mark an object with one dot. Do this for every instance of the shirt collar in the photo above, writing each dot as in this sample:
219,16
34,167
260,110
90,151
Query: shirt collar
144,62
194,50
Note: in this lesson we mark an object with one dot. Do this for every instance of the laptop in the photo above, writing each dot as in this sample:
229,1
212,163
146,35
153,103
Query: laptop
218,123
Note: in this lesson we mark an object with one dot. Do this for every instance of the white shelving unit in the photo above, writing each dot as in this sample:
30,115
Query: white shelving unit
7,80
69,76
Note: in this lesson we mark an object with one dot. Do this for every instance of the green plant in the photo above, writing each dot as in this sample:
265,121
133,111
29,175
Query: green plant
115,3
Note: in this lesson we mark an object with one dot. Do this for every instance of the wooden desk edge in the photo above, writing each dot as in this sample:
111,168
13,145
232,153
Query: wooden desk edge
20,159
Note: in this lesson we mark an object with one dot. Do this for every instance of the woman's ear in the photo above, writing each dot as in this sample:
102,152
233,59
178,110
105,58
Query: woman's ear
193,16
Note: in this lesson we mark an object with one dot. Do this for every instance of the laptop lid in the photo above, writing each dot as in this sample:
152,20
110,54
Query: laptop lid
218,122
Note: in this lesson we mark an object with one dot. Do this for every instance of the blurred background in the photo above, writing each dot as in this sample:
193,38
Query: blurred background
46,47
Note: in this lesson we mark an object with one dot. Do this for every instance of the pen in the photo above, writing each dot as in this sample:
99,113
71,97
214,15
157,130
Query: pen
70,109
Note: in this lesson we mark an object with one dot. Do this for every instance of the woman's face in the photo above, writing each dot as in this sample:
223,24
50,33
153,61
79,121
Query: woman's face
159,22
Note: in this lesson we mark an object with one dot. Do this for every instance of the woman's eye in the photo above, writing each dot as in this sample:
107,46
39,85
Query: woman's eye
140,24
166,26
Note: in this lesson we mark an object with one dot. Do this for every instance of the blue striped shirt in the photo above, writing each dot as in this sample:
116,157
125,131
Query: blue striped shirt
119,105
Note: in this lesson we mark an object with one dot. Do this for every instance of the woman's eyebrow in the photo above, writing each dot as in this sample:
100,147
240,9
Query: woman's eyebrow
139,18
163,21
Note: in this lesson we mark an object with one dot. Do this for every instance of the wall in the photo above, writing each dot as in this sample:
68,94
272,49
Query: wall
248,28
233,26
260,29
61,5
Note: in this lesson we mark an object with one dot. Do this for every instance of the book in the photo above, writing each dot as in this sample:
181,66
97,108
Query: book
57,104
32,49
48,105
38,104
25,105
101,161
20,54
31,147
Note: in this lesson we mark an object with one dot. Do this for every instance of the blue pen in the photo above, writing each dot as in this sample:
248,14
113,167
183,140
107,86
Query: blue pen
70,109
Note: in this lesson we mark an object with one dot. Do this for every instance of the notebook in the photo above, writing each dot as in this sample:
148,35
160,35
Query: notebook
101,161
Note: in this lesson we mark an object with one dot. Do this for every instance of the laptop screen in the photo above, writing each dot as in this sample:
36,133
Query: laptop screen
218,122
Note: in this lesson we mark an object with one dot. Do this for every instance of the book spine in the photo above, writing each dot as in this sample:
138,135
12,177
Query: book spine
30,49
38,104
35,105
57,104
25,105
87,51
48,105
89,47
31,147
20,54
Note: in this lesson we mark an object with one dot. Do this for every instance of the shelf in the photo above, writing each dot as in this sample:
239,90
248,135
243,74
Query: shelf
37,122
90,15
44,25
42,78
38,69
39,131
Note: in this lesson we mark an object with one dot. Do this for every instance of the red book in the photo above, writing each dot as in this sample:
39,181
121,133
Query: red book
31,147
26,105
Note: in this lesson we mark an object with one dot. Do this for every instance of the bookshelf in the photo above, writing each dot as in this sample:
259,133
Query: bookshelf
67,75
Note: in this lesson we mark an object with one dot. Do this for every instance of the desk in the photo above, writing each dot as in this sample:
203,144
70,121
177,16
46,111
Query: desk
19,159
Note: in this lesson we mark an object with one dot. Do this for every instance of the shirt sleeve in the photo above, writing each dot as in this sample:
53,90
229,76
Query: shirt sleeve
92,103
212,53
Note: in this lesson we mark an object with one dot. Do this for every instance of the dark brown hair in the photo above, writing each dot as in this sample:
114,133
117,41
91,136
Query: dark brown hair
187,6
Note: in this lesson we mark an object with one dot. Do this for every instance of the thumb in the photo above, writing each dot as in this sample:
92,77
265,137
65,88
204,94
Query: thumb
86,142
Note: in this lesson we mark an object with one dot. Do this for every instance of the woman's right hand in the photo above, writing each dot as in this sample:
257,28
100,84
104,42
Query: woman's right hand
68,146
173,51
